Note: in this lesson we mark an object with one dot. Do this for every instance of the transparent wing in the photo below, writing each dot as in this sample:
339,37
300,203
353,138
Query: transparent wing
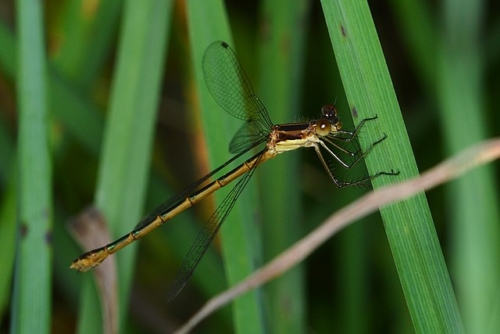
249,133
230,87
207,233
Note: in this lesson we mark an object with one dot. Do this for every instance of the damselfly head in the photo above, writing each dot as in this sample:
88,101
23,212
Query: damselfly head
329,113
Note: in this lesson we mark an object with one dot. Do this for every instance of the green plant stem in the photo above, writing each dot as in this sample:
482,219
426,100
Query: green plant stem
409,226
32,294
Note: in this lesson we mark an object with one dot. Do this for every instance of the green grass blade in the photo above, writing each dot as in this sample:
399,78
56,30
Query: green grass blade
208,23
128,136
32,289
8,208
7,152
82,118
280,75
409,226
7,240
474,198
420,36
87,38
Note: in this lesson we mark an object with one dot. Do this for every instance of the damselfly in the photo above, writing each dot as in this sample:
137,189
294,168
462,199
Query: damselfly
231,89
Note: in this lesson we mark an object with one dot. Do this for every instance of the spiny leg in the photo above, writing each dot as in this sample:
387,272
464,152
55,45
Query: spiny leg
336,181
358,159
350,153
353,134
365,182
339,183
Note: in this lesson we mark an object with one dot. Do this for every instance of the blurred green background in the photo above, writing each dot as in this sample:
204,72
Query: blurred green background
442,57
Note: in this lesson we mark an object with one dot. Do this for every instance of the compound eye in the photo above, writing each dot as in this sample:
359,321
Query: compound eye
329,112
323,127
